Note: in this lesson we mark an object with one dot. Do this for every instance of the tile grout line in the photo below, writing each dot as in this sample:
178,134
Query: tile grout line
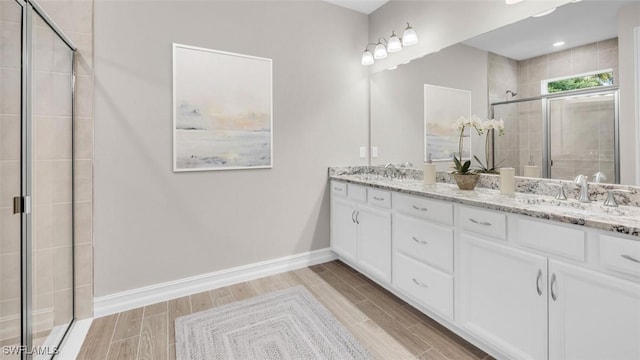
113,333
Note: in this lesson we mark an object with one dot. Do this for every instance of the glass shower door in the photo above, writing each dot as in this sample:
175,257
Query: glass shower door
582,137
51,184
10,178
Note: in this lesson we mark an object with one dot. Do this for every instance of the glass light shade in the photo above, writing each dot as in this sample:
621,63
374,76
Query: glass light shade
367,58
511,2
409,37
380,52
394,45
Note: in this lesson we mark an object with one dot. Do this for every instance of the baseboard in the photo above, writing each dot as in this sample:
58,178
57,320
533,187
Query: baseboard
131,299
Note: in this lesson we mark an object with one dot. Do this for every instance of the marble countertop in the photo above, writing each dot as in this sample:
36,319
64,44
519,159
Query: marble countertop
622,219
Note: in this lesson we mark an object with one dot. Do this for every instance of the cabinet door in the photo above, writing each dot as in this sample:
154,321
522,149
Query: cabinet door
374,242
502,297
592,315
343,228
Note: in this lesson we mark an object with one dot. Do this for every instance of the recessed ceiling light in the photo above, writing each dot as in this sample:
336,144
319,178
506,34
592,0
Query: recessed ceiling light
511,2
559,43
544,13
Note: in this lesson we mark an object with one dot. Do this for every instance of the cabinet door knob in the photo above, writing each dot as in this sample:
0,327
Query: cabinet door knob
630,258
423,242
419,283
485,223
353,214
553,292
357,220
538,278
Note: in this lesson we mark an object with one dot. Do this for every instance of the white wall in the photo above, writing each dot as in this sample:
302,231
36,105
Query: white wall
153,225
397,102
628,19
440,24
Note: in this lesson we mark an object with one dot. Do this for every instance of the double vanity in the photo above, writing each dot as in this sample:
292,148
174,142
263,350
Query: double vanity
523,277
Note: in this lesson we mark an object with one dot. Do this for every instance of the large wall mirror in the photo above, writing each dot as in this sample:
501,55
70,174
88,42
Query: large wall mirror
563,83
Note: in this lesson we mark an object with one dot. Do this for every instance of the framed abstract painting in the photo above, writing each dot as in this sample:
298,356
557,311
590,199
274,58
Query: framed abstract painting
222,110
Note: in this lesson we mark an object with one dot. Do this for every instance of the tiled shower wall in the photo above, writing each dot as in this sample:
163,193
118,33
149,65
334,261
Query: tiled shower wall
523,121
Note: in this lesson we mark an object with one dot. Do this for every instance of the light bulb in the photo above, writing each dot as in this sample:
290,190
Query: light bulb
380,52
367,58
394,45
409,37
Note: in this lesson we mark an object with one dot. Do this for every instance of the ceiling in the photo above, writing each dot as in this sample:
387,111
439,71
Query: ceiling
576,24
363,6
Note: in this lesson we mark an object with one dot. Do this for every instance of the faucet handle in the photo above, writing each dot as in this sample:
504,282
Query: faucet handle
561,194
580,179
599,177
611,199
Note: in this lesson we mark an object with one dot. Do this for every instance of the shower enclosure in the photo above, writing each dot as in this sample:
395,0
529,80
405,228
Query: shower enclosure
36,182
567,134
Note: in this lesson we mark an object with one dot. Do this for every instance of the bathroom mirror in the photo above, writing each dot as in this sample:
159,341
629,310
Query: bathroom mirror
563,135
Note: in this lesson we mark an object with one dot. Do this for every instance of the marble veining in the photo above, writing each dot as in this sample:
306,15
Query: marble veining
534,197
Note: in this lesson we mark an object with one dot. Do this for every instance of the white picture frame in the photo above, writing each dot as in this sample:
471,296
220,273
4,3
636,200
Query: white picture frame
443,106
222,110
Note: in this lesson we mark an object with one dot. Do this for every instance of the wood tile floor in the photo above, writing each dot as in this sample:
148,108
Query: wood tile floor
386,325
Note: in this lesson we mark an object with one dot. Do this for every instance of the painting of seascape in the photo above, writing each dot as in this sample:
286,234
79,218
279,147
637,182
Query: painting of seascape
442,107
222,110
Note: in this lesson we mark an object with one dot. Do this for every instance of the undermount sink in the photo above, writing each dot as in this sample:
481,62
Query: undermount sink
572,207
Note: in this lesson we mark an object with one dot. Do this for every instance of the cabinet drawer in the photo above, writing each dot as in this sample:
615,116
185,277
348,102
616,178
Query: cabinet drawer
338,189
424,241
357,193
379,198
424,208
426,285
483,222
554,239
620,254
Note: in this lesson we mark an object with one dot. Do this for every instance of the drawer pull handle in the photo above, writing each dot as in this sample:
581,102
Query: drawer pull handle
553,282
419,283
630,258
337,189
353,214
378,198
538,278
419,241
357,220
485,223
419,208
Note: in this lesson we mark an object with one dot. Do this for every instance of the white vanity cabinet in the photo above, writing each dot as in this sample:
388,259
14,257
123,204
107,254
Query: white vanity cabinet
361,228
534,296
520,287
592,315
502,295
423,252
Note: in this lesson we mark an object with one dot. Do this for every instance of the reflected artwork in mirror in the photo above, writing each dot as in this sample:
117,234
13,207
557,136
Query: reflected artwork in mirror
442,107
590,131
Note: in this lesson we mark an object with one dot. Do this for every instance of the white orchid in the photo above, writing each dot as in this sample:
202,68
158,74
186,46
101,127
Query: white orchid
493,124
460,125
488,125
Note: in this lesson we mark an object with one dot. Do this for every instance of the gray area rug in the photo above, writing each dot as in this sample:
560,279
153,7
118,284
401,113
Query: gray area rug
285,324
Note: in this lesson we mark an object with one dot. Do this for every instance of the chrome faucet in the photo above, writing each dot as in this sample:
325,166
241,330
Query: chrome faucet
611,200
599,177
390,167
581,182
407,164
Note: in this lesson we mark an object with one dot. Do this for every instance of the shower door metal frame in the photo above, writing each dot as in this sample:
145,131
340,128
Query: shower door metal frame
29,7
546,116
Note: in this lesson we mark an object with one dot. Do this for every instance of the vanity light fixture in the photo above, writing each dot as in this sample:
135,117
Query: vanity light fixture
384,47
559,43
380,52
544,13
511,2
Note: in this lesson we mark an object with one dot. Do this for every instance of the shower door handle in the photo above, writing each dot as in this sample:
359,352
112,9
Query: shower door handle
22,205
